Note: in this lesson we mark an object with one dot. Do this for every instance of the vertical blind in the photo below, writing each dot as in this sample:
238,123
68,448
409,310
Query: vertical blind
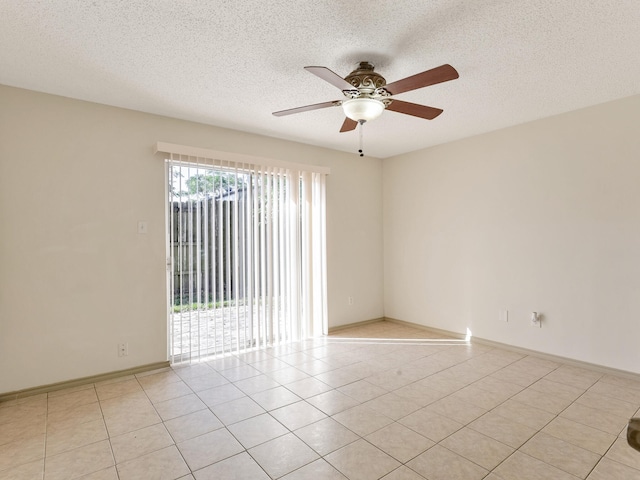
246,252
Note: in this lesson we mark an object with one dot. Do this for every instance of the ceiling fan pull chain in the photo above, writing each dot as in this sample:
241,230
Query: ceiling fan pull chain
361,122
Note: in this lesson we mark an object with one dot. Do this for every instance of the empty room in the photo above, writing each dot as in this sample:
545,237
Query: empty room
320,240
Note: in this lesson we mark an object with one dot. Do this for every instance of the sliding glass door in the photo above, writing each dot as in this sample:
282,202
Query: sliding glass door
246,256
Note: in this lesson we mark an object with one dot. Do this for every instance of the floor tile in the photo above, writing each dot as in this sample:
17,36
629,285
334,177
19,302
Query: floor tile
557,389
308,387
283,455
110,473
332,402
140,442
480,449
318,469
593,417
209,448
549,403
288,375
362,461
26,471
403,473
480,397
621,381
619,392
165,464
239,373
163,377
438,463
326,435
22,429
315,367
430,424
256,384
220,394
128,421
74,416
503,429
611,470
16,453
116,389
520,466
238,467
297,415
621,452
180,406
213,379
574,376
608,404
270,365
561,454
237,410
457,409
257,430
525,414
362,420
195,370
275,398
225,362
80,461
72,400
399,441
420,394
74,436
362,391
392,405
580,435
66,391
495,385
395,378
161,392
193,425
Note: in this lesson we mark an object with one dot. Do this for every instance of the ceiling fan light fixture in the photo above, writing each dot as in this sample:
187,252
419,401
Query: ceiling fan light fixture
363,109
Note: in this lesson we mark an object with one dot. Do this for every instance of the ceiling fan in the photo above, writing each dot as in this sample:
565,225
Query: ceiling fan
367,93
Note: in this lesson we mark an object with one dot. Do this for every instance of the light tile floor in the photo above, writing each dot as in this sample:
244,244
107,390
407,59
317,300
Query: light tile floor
409,406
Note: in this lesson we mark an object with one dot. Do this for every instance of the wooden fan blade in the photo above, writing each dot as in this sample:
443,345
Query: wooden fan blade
329,76
440,74
306,108
414,109
348,125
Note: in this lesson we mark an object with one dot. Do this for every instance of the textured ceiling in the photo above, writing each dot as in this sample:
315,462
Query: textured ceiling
232,62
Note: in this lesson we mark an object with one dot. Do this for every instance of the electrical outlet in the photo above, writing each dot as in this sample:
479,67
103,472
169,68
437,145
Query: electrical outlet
504,315
536,320
123,349
350,300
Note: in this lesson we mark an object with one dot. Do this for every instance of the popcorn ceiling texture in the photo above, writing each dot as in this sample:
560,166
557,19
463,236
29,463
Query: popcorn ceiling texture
232,63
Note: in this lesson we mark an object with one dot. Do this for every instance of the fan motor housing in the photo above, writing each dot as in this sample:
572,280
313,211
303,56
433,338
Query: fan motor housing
366,80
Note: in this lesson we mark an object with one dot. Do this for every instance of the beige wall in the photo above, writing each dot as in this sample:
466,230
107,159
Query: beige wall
76,278
543,217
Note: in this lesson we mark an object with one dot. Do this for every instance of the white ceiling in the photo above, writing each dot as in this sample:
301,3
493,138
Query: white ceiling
232,62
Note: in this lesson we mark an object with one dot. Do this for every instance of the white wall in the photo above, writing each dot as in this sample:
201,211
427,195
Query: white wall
543,217
76,278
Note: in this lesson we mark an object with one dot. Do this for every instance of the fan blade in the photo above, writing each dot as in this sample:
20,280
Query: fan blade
414,109
348,125
306,108
329,76
440,74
